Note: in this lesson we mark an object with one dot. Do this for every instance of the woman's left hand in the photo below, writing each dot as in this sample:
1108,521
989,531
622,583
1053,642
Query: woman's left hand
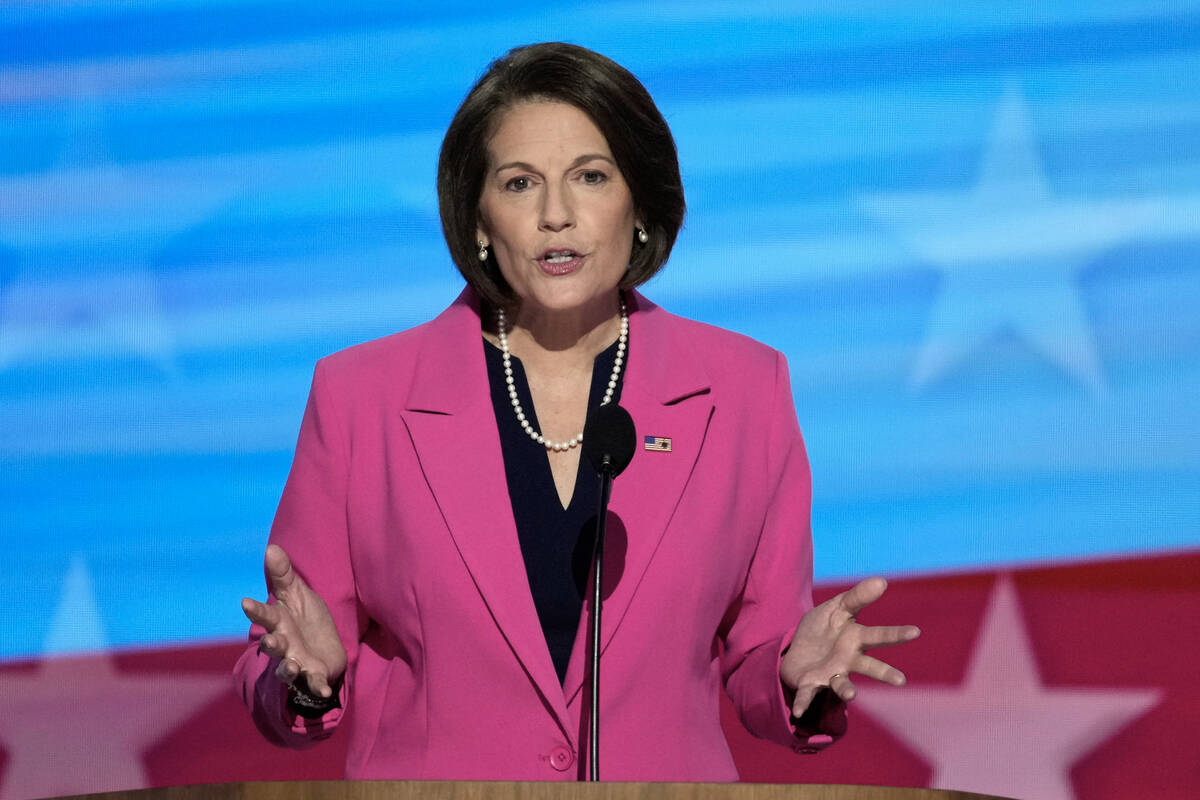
829,645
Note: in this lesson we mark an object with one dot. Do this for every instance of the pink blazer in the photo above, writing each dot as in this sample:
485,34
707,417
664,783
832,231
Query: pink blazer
396,511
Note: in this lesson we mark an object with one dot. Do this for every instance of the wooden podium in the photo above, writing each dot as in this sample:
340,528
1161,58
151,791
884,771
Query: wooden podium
507,790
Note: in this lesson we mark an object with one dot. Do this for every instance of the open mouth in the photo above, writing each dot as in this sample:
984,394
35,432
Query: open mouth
559,256
560,261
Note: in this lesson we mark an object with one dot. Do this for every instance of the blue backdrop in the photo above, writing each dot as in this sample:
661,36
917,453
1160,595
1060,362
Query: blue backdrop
973,228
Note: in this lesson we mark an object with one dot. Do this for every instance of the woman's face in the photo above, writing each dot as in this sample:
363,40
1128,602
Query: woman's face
555,209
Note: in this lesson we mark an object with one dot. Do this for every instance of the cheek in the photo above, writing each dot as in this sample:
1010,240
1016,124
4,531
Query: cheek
504,224
623,216
620,227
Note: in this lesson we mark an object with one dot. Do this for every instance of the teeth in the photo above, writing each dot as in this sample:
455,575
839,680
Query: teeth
559,257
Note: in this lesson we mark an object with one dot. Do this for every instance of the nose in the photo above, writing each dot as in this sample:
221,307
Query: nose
557,212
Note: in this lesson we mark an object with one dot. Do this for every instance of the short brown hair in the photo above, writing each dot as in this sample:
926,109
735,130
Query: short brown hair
616,102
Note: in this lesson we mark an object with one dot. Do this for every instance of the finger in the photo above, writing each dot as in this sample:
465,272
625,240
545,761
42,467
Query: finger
274,644
862,594
318,684
880,671
260,613
842,687
279,570
288,670
804,697
888,635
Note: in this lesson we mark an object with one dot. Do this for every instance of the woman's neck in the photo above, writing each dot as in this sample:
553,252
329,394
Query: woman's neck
564,340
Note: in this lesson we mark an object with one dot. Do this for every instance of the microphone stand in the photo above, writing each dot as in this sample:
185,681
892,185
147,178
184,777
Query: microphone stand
609,444
606,482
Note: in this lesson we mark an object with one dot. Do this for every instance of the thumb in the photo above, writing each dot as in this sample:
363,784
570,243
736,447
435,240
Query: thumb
280,573
862,594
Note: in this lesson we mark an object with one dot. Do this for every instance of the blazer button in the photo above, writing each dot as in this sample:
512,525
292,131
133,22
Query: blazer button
561,758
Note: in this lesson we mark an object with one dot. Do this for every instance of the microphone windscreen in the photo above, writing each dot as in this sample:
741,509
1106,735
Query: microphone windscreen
609,432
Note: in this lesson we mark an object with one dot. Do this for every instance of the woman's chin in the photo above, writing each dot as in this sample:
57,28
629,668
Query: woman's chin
563,302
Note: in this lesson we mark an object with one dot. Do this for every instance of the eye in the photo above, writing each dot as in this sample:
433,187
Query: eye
517,184
593,177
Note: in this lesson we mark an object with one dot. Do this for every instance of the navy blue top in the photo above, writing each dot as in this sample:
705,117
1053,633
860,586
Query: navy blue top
556,543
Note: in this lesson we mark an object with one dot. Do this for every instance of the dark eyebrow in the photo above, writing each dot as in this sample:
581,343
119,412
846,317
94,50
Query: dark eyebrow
583,159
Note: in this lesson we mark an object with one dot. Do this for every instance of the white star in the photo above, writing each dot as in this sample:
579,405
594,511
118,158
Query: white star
1010,253
1001,731
118,315
98,227
78,725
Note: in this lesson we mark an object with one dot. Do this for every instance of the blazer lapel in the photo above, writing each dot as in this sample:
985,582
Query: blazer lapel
667,392
452,423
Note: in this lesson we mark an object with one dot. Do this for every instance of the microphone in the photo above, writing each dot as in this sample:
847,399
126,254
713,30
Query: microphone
609,441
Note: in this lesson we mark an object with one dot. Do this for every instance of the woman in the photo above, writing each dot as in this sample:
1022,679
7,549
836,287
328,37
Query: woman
423,563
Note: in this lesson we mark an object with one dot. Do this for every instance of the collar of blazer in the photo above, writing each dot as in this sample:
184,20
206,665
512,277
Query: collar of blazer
450,417
666,367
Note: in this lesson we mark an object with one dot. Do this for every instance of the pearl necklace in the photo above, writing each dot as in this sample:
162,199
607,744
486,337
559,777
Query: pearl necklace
502,335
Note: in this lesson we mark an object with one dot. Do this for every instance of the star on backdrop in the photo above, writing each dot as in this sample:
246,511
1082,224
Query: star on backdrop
85,234
77,724
1001,731
1010,252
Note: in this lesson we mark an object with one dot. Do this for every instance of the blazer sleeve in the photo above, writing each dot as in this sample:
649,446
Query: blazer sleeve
311,525
777,592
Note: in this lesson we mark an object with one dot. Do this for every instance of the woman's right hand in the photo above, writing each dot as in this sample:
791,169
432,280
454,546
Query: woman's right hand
300,629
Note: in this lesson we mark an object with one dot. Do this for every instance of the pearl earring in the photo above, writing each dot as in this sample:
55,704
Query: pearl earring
483,251
643,237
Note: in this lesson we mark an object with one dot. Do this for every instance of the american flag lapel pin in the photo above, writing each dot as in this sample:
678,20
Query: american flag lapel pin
658,444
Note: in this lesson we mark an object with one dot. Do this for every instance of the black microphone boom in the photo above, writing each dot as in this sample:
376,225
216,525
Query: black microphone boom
608,442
